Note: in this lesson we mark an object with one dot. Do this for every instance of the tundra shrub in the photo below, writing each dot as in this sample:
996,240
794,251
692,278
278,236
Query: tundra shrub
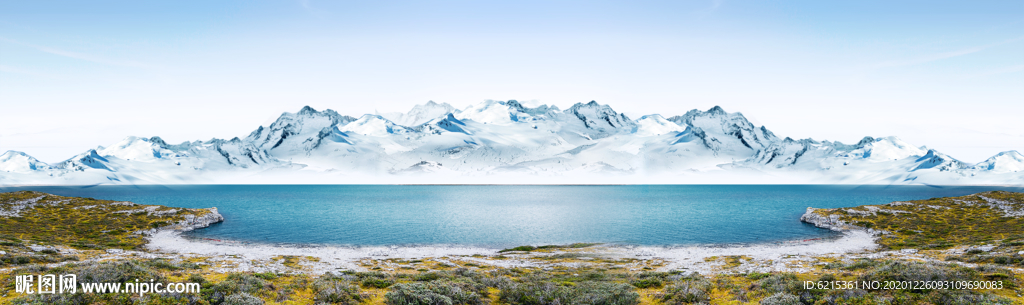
688,290
966,297
335,291
917,271
428,276
244,282
377,283
432,293
651,282
605,294
782,282
237,284
781,298
242,298
52,299
117,272
842,296
548,293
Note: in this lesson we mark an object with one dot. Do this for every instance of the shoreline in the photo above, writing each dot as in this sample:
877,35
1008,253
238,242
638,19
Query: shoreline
774,256
766,257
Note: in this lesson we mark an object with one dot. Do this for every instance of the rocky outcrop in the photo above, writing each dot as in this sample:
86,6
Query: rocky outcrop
826,221
13,209
823,219
1010,209
203,218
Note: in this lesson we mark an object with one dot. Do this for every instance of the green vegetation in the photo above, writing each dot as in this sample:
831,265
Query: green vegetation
998,258
375,282
82,223
436,292
42,257
688,290
647,280
528,286
941,223
539,292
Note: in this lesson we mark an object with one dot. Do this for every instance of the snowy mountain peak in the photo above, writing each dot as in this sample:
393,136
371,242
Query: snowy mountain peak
306,110
138,149
447,123
655,125
420,114
601,118
19,162
865,141
718,126
888,149
492,112
373,125
515,105
715,113
13,153
87,160
717,110
298,127
158,142
1004,162
936,160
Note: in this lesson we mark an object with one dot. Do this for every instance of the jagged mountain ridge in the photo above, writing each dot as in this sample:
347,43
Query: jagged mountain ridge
495,138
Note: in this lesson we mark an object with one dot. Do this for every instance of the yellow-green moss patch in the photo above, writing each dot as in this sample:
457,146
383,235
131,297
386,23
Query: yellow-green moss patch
82,223
939,223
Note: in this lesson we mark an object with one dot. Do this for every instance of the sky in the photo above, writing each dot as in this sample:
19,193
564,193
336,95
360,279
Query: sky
945,74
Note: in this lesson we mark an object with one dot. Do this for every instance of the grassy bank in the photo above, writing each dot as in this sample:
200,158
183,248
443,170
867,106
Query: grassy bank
83,223
940,223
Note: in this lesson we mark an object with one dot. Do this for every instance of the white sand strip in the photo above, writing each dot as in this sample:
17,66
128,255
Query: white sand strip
766,257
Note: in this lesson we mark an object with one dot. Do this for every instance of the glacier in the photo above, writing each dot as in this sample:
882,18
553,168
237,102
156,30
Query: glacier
509,143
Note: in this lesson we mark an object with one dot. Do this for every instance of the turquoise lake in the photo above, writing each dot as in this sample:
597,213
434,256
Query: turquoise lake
511,215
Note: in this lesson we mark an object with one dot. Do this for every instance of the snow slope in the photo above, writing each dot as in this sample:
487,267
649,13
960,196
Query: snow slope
506,142
19,162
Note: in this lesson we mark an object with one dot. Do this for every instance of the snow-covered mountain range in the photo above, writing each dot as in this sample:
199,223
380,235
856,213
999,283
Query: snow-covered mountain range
506,142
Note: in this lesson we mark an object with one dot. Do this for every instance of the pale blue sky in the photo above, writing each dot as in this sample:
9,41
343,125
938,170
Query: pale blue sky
949,75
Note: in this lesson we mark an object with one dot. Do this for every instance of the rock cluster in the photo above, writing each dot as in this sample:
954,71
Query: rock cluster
826,221
192,222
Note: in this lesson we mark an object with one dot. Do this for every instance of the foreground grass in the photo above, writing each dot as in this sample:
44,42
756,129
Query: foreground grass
527,286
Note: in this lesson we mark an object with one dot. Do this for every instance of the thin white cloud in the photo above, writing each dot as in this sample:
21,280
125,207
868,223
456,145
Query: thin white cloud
9,69
940,56
315,12
715,4
1004,70
83,56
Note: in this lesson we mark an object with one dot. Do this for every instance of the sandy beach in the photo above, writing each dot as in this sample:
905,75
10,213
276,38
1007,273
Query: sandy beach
777,256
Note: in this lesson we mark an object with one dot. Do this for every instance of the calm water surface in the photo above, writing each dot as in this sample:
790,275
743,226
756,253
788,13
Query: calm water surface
510,215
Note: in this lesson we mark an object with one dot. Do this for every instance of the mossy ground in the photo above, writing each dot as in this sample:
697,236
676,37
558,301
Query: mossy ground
83,223
940,223
492,285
